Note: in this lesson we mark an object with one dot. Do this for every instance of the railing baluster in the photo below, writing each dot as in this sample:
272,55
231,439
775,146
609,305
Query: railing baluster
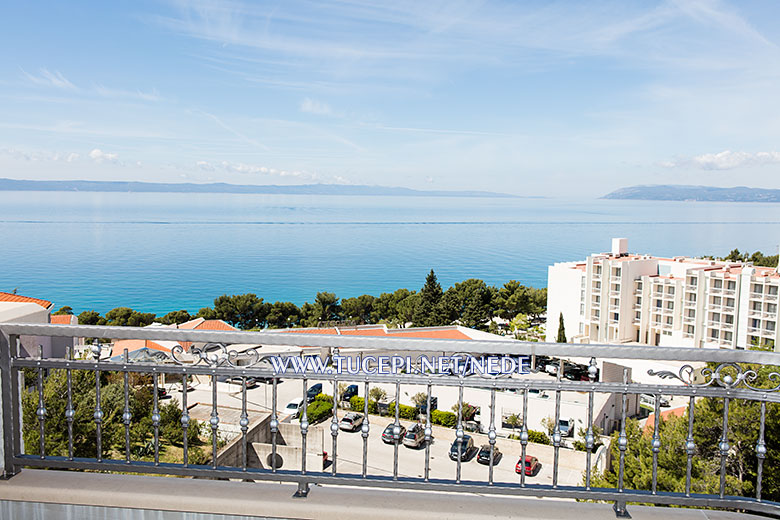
656,442
724,446
214,421
396,428
690,447
274,425
622,438
126,415
69,411
334,424
364,429
556,437
492,433
589,437
156,417
41,412
185,418
98,415
428,434
304,426
524,436
760,451
459,434
244,424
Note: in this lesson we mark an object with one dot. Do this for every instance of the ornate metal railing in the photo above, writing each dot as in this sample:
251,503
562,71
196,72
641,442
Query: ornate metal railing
728,381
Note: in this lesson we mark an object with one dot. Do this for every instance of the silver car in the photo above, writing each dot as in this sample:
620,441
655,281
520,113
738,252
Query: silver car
351,422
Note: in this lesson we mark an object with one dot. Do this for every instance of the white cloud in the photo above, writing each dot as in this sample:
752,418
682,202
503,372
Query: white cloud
312,106
254,169
39,155
106,92
725,160
50,79
100,156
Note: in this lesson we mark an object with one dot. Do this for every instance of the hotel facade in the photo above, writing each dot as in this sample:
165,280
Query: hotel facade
619,297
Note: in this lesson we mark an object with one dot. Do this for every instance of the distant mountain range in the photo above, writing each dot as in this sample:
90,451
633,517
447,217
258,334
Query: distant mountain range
696,193
301,189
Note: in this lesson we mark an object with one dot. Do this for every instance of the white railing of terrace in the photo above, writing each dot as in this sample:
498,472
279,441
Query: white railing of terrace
729,381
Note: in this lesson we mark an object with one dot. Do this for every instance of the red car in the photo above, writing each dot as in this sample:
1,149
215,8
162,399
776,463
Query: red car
531,465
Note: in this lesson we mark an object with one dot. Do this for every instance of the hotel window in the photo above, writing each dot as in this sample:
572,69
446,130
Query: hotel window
756,306
772,289
713,333
729,302
758,288
718,283
670,305
639,300
658,304
716,300
638,314
728,318
615,316
731,285
715,316
727,336
691,297
669,320
617,271
598,269
770,325
597,300
691,313
689,329
670,290
582,308
693,281
598,285
667,333
582,328
771,308
755,323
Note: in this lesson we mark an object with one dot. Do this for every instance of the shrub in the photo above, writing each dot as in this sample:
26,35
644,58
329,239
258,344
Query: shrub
443,418
358,403
319,410
404,411
324,397
538,437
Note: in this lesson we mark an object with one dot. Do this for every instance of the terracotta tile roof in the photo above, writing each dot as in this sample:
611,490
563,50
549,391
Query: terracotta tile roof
18,298
61,319
135,344
678,412
203,324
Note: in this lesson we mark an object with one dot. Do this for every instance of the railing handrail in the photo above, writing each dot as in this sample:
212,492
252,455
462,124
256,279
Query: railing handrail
499,346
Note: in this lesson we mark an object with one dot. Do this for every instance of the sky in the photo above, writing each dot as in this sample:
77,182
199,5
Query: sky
528,98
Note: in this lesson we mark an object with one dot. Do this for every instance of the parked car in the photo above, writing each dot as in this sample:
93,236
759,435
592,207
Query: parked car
415,436
294,407
467,448
351,422
541,362
251,382
649,400
179,387
531,466
349,393
387,435
162,393
567,427
314,391
483,457
535,392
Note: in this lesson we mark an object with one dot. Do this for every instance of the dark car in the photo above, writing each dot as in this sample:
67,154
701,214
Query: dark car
314,391
349,393
483,457
387,435
162,393
251,382
415,436
466,451
531,465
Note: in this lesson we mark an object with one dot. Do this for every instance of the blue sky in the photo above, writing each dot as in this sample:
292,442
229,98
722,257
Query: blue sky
538,98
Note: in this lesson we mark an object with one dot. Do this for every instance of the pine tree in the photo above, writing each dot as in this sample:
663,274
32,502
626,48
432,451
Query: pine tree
429,309
561,330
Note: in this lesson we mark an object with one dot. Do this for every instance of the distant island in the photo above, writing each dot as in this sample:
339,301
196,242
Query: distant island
220,187
695,193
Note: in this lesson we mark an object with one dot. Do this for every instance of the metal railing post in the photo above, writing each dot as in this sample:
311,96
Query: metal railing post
8,397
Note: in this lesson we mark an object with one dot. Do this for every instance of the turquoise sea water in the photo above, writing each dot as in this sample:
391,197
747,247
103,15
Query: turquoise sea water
161,252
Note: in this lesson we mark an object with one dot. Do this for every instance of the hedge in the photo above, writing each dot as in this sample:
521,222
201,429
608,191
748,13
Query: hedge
443,418
318,410
358,403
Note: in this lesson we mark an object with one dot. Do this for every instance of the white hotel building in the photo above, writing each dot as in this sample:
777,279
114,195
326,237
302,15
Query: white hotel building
620,297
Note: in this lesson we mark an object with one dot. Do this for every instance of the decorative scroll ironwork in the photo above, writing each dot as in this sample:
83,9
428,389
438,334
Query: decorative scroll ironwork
725,375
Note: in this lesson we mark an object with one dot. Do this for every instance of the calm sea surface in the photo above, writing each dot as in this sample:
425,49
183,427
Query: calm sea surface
162,252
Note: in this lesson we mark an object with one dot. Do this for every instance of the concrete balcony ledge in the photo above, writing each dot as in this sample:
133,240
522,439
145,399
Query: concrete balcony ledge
60,494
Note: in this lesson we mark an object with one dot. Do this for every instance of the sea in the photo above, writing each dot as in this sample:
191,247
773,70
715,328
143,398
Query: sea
157,252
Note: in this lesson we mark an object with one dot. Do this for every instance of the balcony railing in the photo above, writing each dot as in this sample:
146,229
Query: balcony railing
689,303
756,295
213,355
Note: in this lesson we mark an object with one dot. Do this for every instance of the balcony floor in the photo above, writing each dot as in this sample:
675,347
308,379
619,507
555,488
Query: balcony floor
101,492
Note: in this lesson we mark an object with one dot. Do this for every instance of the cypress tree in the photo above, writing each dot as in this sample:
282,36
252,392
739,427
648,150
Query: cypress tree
561,330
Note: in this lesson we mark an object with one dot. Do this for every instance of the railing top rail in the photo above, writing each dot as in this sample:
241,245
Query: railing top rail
623,351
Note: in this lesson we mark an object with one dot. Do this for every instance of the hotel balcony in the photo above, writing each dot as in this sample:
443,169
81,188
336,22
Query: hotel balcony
756,295
771,297
715,290
271,458
691,288
689,303
689,319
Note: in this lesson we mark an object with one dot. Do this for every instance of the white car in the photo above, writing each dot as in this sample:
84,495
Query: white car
294,407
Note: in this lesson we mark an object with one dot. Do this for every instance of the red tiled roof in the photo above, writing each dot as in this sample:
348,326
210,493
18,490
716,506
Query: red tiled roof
18,298
203,324
678,412
61,319
135,344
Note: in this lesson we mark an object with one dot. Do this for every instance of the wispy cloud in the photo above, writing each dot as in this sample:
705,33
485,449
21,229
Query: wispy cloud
100,156
39,155
47,78
267,171
106,92
725,160
312,106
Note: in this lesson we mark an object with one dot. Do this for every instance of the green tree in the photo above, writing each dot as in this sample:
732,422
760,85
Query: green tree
176,317
207,313
386,307
420,399
283,315
127,317
360,308
326,306
470,302
91,318
429,311
377,395
514,421
245,311
561,330
64,310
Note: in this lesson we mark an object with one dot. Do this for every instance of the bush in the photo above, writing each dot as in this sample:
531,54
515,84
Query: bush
443,418
538,437
404,411
358,403
324,397
319,410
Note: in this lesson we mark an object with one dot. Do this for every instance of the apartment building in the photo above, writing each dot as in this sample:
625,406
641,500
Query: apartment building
620,297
